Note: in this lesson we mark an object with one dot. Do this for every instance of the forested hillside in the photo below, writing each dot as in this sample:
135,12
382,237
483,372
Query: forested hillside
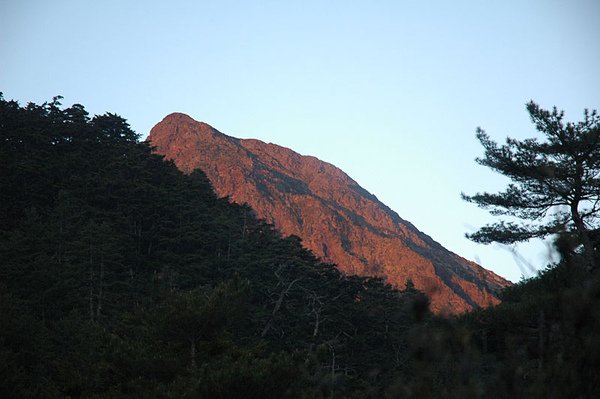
122,277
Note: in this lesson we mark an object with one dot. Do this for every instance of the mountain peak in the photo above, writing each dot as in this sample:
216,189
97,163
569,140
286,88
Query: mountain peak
179,118
336,218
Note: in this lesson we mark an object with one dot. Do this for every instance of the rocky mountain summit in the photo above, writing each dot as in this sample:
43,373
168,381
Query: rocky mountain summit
336,218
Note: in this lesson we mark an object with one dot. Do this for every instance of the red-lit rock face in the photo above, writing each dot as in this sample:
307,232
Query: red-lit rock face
337,219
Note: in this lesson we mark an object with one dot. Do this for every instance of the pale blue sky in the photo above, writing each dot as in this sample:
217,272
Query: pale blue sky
389,91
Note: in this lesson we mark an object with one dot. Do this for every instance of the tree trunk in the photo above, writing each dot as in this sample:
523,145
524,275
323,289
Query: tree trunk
101,282
193,353
332,372
588,248
278,304
91,298
317,319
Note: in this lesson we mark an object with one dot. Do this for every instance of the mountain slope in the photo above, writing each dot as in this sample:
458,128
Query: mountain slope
337,219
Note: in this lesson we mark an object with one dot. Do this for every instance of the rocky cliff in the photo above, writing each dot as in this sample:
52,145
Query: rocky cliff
337,219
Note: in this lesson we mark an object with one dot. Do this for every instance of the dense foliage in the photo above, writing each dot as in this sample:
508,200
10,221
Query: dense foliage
122,277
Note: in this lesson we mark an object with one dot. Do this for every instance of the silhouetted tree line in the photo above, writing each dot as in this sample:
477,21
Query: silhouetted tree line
122,277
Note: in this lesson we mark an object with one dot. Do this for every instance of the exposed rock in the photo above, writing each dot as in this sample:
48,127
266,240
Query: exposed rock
337,219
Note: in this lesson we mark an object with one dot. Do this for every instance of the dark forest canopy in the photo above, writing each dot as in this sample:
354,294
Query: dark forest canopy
122,277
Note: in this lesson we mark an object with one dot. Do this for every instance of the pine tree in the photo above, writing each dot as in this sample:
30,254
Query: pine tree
555,183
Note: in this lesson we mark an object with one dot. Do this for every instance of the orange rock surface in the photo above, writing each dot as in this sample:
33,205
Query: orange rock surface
337,219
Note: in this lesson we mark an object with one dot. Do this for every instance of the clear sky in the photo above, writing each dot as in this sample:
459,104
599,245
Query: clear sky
389,91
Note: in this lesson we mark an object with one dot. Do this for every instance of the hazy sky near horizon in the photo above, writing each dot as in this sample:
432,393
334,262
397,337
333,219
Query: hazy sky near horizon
389,91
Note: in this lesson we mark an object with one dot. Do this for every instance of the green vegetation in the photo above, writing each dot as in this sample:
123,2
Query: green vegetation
556,183
122,277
